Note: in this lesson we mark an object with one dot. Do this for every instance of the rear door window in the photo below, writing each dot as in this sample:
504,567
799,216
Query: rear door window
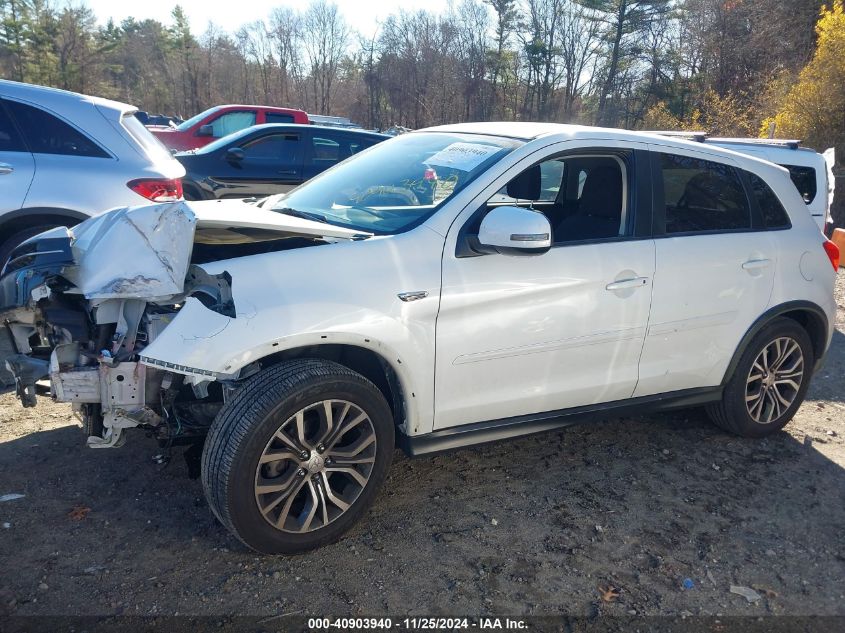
10,139
358,145
278,117
47,134
326,151
275,148
804,179
702,196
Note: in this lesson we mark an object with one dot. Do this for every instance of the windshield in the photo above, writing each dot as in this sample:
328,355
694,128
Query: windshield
186,125
398,183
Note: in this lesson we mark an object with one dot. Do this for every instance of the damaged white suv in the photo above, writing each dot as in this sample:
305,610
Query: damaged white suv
448,287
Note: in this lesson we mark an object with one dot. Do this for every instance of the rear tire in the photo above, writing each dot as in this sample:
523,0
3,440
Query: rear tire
297,455
769,382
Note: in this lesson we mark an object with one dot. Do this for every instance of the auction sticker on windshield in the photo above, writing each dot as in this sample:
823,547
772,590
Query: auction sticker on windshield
463,156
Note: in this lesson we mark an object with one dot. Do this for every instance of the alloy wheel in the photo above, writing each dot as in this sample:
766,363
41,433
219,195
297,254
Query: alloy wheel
774,380
315,466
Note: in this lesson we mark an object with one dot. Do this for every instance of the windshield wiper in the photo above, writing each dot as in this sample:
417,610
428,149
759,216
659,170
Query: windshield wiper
305,215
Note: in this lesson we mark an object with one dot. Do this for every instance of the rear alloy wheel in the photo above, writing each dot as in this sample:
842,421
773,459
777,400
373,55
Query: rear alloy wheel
774,380
769,382
297,455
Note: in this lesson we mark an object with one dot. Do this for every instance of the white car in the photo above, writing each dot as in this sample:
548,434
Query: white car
448,287
65,157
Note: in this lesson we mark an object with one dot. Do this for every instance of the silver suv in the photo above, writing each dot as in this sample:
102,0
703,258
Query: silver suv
65,157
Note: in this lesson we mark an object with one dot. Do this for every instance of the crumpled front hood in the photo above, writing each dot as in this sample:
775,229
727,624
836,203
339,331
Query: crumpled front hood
144,252
133,252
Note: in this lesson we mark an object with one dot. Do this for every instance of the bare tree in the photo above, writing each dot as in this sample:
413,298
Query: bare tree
286,33
472,23
325,37
578,47
258,48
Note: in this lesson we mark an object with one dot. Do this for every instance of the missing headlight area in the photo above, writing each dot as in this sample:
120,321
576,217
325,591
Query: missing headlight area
91,353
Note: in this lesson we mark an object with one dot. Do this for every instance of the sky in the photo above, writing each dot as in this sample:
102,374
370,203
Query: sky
362,15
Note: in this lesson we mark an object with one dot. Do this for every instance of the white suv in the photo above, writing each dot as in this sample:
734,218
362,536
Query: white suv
65,157
451,286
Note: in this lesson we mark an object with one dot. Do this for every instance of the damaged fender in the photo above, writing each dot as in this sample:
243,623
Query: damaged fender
302,298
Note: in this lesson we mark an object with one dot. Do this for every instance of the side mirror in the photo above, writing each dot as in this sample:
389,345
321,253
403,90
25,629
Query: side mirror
206,130
234,154
514,231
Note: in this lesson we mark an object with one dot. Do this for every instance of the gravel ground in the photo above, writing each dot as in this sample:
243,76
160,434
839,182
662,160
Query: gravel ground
601,519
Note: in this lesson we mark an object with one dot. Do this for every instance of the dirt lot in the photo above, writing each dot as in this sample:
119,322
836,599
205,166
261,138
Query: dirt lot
537,526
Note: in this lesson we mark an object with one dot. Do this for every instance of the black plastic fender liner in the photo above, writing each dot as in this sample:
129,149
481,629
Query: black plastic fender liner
214,291
31,264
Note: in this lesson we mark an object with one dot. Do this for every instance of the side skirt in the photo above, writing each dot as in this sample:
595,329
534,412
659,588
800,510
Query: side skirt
507,428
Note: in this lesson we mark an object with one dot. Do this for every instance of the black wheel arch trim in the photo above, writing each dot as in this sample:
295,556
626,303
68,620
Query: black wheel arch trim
764,319
6,218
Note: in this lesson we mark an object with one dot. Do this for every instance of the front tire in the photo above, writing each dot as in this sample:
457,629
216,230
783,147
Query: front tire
297,455
769,382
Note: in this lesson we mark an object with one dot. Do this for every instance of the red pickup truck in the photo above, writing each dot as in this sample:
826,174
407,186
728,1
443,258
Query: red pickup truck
221,121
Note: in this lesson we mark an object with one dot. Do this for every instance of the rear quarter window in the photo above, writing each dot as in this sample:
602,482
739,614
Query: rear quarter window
771,208
804,179
150,145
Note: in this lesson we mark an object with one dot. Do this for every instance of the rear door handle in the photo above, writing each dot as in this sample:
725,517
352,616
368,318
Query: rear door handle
288,172
622,284
6,168
756,264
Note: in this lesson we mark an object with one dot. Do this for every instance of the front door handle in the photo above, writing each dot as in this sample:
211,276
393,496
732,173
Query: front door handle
756,264
622,284
288,172
6,168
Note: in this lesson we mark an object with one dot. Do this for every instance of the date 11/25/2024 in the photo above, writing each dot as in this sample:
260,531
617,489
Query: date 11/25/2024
418,623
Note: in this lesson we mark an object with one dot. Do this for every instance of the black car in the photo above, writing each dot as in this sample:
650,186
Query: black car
267,159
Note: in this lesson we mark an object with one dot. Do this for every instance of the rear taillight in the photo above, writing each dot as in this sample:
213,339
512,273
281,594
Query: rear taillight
157,189
832,251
